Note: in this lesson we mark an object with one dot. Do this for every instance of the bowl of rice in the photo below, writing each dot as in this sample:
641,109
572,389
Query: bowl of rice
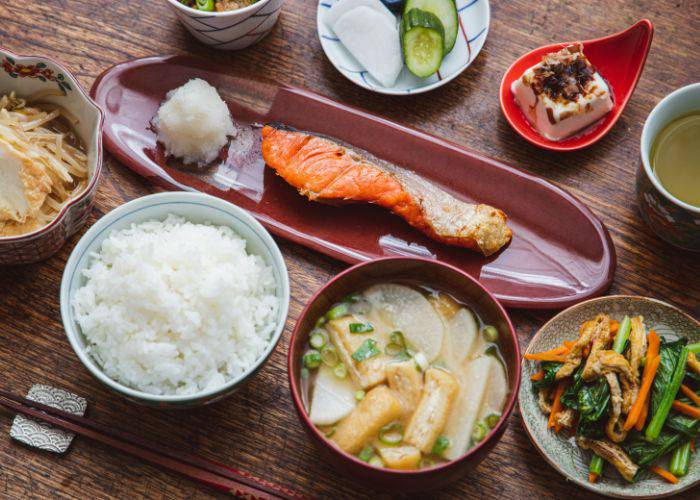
174,299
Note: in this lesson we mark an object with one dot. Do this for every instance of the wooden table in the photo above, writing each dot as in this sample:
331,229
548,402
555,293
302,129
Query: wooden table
257,429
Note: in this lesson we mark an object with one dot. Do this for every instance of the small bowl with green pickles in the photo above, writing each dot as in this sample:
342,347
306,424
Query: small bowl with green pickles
676,330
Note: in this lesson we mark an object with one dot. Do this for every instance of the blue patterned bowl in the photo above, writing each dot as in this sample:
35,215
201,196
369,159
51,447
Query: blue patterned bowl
474,18
671,219
232,29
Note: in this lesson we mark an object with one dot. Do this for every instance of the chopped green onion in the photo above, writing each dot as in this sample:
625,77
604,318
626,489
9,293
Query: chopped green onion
680,460
397,338
596,465
375,461
330,433
304,372
421,361
425,463
352,298
367,350
490,333
338,311
340,371
394,349
360,395
318,339
623,334
492,419
439,364
479,432
491,350
391,434
659,418
320,322
441,444
361,328
329,356
366,453
206,5
312,359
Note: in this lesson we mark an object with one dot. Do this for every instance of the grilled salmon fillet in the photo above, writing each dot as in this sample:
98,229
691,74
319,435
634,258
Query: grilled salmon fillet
324,170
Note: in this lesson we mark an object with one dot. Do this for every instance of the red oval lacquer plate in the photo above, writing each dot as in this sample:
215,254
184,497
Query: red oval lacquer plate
560,253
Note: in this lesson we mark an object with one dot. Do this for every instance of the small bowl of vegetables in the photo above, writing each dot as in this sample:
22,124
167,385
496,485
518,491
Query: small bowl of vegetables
404,372
611,396
402,47
228,24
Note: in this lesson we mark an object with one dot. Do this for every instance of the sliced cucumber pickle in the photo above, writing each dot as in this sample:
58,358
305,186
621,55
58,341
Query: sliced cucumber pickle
445,10
423,40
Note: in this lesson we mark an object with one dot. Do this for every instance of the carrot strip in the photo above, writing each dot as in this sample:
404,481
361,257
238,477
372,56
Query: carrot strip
691,394
686,409
537,376
643,415
546,357
647,379
614,326
556,351
569,344
654,344
556,405
592,477
664,474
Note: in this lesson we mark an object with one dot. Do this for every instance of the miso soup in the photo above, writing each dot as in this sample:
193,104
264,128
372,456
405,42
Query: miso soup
675,158
403,377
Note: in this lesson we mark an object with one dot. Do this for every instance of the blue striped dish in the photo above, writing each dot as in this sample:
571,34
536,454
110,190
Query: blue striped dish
197,208
230,30
474,18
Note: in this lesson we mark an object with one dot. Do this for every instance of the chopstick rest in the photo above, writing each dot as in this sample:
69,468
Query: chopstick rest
40,434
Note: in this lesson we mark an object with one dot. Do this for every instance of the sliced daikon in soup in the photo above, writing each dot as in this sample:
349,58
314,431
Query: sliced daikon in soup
473,381
461,331
409,312
496,392
333,398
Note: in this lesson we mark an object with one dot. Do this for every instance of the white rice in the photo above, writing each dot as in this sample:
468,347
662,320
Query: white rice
172,307
194,123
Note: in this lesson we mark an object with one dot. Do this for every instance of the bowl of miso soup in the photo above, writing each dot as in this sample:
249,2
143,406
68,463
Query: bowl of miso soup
404,372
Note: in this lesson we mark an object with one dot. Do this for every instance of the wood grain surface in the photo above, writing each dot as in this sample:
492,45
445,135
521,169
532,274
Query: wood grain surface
257,429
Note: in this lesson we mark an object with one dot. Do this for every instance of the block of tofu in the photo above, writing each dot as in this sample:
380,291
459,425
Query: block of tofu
400,457
369,372
407,381
429,419
563,94
24,185
379,407
474,381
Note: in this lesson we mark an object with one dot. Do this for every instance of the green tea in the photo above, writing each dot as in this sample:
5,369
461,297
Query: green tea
675,158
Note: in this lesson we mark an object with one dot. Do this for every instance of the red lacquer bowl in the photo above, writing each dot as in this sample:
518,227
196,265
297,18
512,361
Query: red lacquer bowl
418,271
619,58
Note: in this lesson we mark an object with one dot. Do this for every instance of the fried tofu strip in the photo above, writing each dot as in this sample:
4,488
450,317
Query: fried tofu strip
573,359
614,428
612,453
601,339
379,407
612,362
407,381
400,457
638,344
430,417
369,372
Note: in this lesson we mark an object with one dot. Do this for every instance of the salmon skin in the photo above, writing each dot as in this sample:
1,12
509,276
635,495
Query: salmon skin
324,170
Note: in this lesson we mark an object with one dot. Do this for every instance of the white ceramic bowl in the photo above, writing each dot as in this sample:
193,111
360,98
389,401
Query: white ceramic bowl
28,75
195,207
233,29
474,18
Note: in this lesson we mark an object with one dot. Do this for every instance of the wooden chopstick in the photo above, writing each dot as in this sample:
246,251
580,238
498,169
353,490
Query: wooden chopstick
205,471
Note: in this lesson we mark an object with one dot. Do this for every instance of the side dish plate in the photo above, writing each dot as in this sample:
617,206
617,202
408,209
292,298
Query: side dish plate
560,253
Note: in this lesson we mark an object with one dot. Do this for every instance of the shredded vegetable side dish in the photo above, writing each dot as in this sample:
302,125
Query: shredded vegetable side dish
628,395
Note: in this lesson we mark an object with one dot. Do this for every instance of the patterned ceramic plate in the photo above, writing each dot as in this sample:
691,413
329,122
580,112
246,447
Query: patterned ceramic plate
474,16
563,454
